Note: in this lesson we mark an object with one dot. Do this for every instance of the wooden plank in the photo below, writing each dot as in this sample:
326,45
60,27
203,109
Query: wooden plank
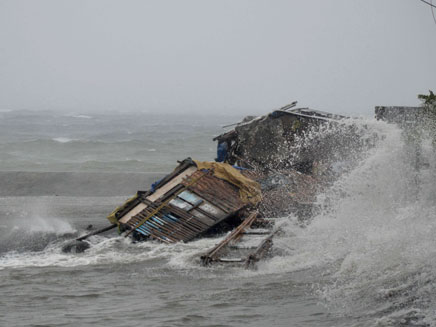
203,218
171,184
230,260
168,231
155,210
261,251
125,219
84,237
194,210
212,210
164,204
184,216
181,167
212,254
166,228
219,192
221,205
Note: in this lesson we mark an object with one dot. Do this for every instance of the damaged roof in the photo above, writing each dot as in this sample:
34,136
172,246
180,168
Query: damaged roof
285,110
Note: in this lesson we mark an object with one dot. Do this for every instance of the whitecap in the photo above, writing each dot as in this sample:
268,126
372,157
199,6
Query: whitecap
62,139
82,116
79,116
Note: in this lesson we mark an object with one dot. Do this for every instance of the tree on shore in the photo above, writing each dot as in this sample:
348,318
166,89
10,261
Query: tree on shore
429,106
428,100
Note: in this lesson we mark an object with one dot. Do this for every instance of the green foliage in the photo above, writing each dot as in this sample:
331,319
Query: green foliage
428,100
429,105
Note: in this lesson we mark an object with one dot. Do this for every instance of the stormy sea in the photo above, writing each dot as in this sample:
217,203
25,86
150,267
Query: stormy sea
367,258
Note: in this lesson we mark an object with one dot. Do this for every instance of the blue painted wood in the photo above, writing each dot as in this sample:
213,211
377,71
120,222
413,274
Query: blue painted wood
154,225
143,231
157,220
170,218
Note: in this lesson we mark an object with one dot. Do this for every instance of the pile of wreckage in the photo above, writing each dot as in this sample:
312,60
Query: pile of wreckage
268,166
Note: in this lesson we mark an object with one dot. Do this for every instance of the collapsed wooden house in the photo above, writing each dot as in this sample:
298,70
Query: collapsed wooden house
200,198
193,199
197,198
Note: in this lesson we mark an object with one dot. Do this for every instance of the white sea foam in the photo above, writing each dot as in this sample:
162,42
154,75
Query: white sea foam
373,246
80,116
371,250
63,139
49,225
119,250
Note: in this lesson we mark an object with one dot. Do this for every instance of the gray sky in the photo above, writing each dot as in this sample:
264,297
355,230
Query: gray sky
236,56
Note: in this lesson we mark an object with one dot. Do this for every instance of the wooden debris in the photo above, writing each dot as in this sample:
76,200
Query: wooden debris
154,211
261,251
277,173
84,237
184,205
212,254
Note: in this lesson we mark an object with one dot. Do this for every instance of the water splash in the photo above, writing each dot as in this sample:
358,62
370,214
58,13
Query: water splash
371,249
50,225
32,226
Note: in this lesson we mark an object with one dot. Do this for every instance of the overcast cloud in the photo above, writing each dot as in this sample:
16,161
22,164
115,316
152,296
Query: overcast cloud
344,56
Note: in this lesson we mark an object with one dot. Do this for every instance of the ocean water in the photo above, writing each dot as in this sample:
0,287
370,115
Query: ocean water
366,259
110,142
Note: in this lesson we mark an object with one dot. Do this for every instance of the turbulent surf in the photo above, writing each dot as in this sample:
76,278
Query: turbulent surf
364,258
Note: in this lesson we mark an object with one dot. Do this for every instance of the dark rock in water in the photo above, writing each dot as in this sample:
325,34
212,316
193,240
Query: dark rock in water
75,247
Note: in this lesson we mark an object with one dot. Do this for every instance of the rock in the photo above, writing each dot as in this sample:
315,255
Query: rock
76,247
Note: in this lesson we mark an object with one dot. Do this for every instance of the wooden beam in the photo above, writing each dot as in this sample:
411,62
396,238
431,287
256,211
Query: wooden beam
212,254
261,251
